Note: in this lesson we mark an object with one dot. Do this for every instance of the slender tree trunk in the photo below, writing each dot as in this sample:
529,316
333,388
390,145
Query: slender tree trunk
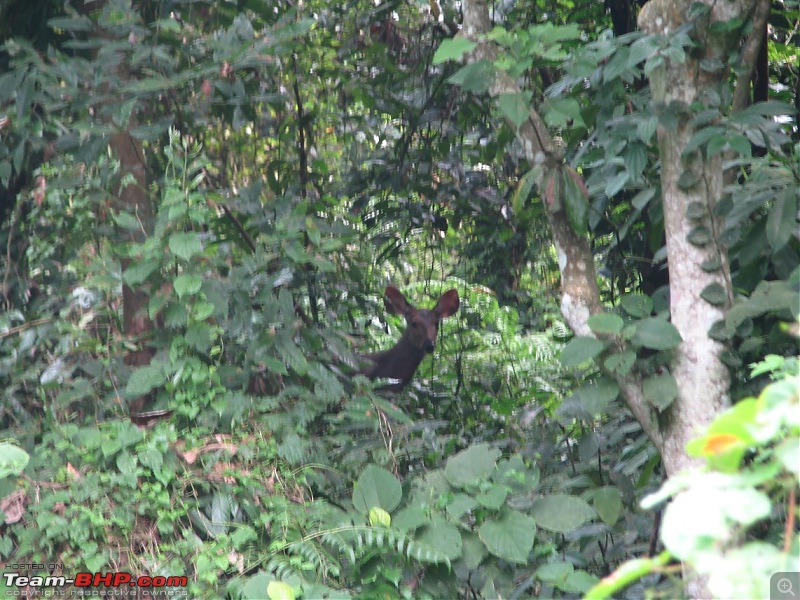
133,199
136,324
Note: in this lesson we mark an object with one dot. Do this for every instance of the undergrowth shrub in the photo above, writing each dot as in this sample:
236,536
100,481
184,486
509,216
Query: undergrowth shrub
470,479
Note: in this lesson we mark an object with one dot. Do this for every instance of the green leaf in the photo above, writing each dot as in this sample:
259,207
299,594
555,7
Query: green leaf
138,272
710,265
13,459
555,572
442,537
768,296
688,179
76,23
126,463
314,234
576,205
242,535
580,350
617,66
771,108
460,505
637,305
728,437
292,356
514,474
579,582
471,466
523,191
696,210
494,497
151,458
646,128
621,363
699,236
550,34
94,561
452,49
596,395
475,77
474,550
510,537
127,221
144,379
561,513
515,107
605,323
563,112
643,198
616,183
185,245
410,518
770,363
376,487
562,575
293,449
278,590
782,220
379,517
501,36
740,144
661,390
716,145
701,138
608,504
714,294
656,334
187,285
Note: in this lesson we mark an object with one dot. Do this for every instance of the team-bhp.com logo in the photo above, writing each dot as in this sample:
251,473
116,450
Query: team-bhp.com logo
93,580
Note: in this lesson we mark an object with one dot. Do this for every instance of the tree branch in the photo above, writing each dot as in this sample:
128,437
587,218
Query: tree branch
748,57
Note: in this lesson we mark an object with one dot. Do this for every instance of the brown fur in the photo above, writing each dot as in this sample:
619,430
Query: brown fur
400,362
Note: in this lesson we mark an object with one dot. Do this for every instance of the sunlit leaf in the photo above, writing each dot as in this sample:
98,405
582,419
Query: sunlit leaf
452,49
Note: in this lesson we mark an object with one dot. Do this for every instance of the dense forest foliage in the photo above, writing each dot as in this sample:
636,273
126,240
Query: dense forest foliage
202,205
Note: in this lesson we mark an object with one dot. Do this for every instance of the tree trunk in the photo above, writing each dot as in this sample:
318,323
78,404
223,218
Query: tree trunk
136,324
689,214
133,199
692,185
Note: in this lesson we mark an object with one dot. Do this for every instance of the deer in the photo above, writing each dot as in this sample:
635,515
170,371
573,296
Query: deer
401,361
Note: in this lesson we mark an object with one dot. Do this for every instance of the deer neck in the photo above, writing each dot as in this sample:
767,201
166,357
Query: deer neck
398,362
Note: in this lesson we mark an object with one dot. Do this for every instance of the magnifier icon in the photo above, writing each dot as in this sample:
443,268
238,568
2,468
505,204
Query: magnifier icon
785,587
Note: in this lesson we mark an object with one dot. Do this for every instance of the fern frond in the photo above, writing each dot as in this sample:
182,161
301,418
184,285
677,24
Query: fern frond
356,540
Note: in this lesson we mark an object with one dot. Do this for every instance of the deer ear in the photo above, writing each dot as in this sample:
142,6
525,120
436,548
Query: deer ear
395,302
447,304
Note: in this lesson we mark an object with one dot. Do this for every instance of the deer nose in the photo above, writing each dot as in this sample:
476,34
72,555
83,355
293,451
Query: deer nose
428,346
